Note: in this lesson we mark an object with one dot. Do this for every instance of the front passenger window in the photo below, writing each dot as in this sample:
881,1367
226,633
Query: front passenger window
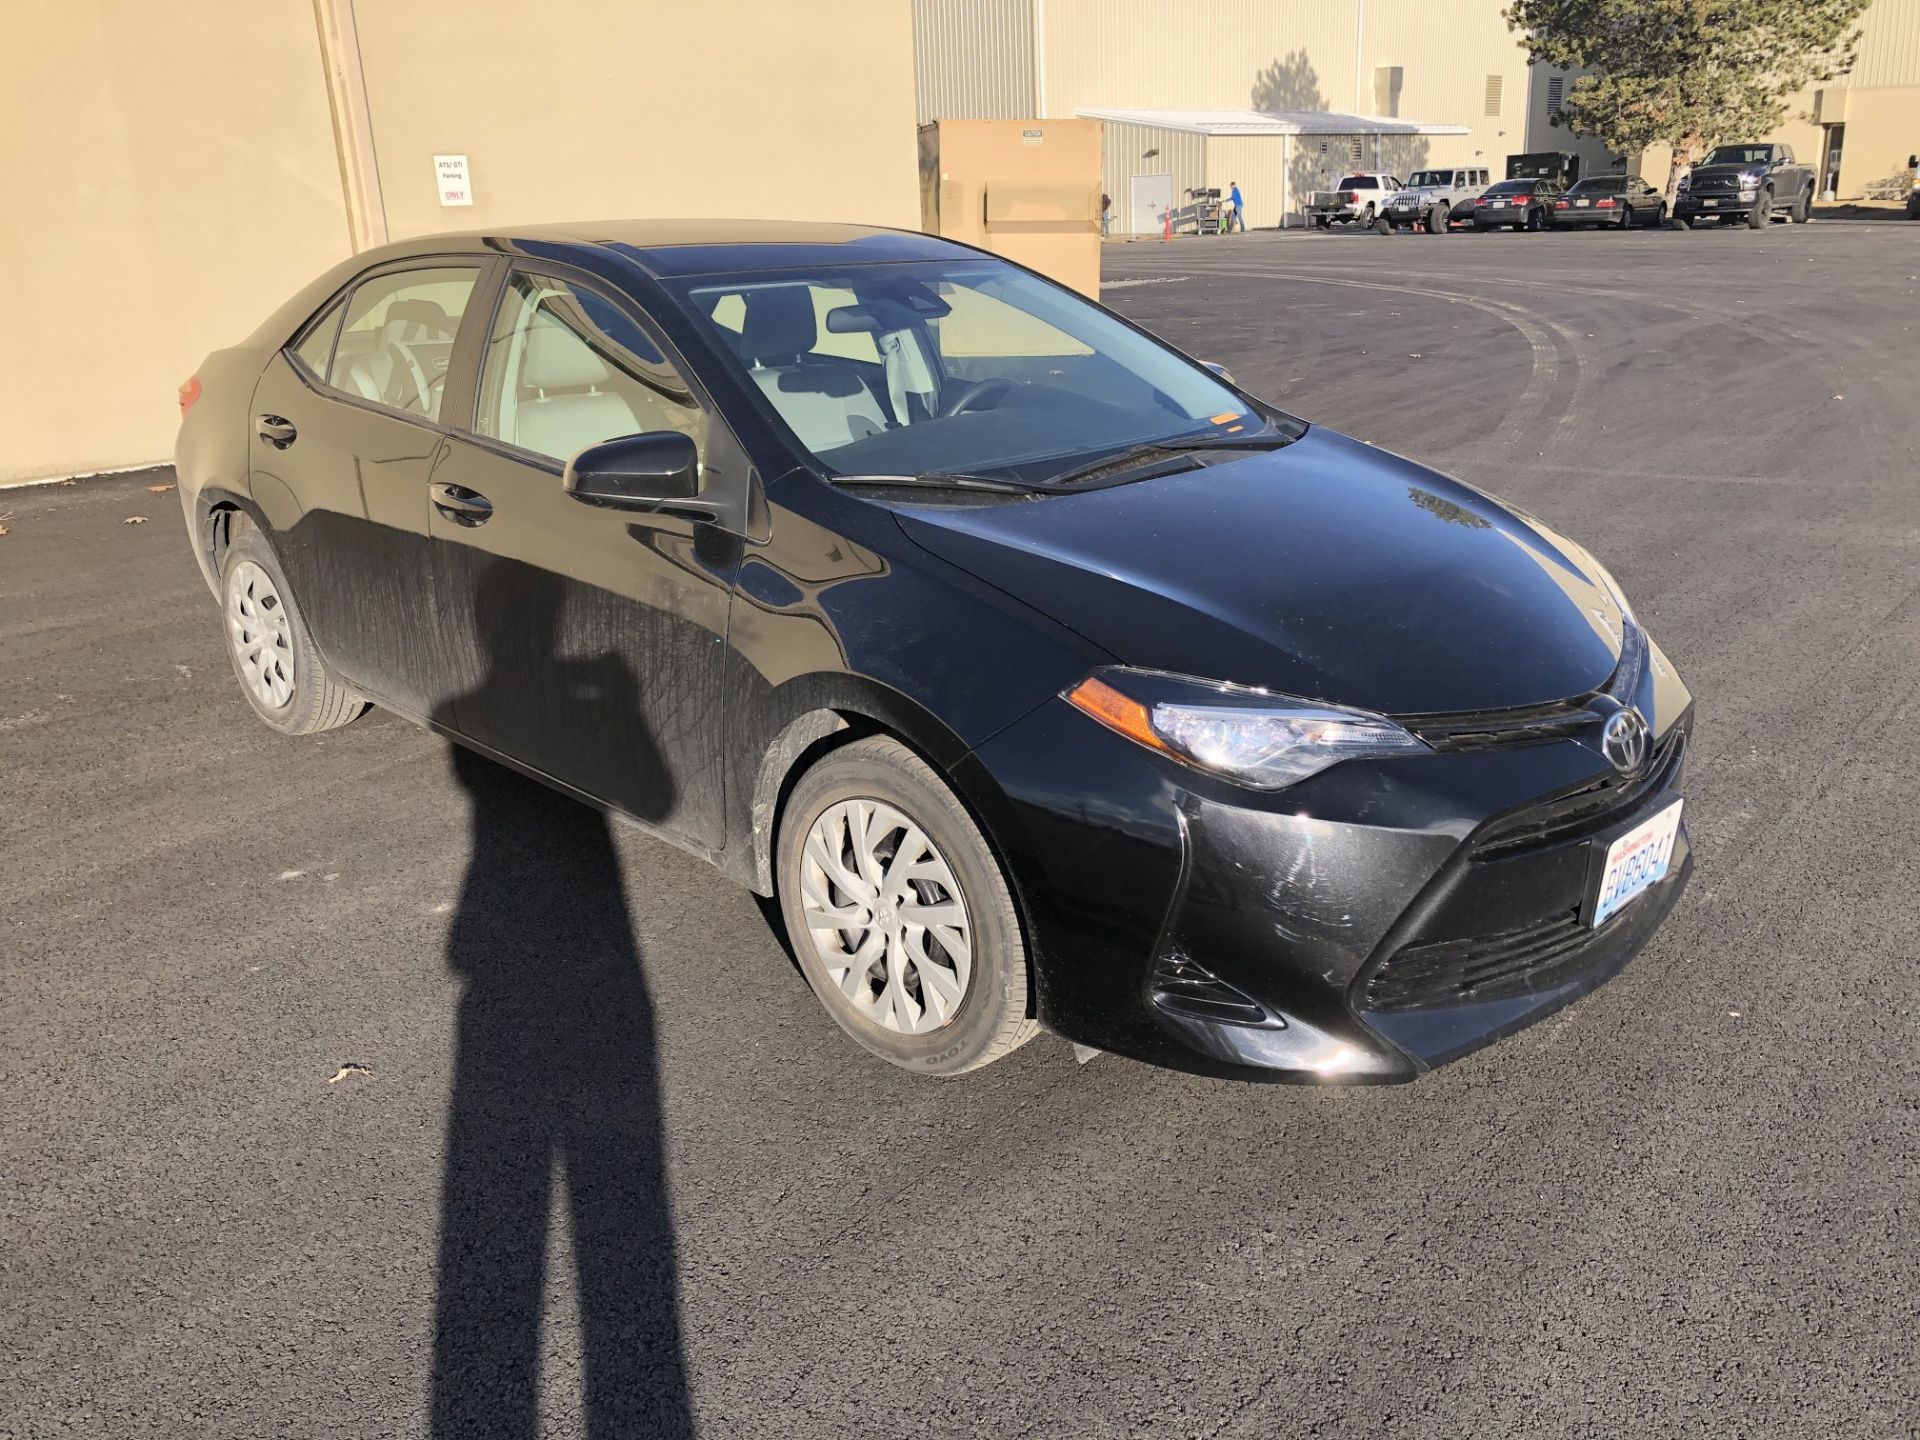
565,369
398,338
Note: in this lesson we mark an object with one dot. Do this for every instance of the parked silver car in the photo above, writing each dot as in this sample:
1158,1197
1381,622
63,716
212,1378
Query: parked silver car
1429,195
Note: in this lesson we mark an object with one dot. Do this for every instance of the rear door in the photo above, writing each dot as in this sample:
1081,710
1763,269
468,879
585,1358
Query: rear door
347,426
590,643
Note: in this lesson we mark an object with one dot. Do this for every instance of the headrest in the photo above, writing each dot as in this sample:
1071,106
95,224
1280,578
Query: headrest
424,313
779,324
558,359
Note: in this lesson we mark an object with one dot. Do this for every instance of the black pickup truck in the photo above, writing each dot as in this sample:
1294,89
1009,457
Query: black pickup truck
1755,183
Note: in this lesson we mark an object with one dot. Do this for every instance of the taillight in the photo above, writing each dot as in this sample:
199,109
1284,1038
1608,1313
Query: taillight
1603,204
189,392
1481,201
1563,204
1353,197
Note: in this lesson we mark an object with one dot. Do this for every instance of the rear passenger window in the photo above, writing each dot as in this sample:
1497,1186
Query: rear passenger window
397,340
566,368
317,348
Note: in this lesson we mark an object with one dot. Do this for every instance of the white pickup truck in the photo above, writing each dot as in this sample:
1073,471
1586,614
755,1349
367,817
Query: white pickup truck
1357,200
1429,196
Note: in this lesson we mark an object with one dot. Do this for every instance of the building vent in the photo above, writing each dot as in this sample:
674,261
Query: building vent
1494,85
1556,95
1358,157
1386,89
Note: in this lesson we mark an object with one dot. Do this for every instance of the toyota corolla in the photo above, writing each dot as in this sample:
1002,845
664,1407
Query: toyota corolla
1045,676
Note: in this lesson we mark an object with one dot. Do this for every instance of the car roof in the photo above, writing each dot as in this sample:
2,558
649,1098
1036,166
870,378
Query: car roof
696,247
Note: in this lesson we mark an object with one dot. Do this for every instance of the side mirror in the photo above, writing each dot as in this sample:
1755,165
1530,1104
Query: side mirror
1220,370
656,471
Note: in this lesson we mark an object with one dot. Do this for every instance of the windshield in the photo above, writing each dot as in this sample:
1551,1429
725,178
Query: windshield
954,368
1609,185
1739,155
1430,177
1358,182
1512,187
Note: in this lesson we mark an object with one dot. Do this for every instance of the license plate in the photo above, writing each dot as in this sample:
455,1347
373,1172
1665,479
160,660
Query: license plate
1583,203
1709,203
1636,862
1501,204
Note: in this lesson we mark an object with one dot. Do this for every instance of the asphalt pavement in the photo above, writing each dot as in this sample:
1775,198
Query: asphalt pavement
295,1143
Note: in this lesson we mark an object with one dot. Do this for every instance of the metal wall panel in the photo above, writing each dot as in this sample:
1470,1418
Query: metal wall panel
974,60
1889,47
1183,155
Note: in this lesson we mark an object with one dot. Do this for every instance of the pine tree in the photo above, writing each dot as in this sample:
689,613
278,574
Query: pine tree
1686,73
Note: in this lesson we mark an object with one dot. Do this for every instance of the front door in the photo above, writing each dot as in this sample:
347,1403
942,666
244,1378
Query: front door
345,434
591,641
1151,202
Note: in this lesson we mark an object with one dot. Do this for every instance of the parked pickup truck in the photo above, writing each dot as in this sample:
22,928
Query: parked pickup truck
1358,199
1755,183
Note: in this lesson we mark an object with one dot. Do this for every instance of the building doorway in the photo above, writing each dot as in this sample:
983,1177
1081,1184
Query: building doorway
1830,161
1151,200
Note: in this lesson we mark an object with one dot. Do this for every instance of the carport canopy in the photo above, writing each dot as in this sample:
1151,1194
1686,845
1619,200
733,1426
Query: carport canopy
1273,122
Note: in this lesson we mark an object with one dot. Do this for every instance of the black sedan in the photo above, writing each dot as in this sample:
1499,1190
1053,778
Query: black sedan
1044,676
1522,204
1621,201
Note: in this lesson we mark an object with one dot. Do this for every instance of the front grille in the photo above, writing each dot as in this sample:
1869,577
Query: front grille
1484,967
1496,729
1581,812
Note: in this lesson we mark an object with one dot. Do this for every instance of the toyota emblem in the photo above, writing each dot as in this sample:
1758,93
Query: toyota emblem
1623,740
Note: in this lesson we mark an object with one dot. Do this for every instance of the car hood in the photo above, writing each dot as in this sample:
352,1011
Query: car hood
1327,570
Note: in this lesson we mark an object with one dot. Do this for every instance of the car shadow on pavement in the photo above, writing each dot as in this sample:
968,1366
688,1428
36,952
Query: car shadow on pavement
555,1084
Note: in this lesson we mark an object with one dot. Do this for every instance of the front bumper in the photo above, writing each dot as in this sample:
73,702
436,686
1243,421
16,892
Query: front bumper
1696,207
1367,925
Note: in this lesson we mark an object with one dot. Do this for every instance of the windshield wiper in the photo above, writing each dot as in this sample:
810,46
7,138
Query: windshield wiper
936,481
1170,450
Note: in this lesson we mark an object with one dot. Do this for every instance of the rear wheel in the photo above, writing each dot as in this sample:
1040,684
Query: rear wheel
1322,222
1660,216
1802,210
280,672
1762,211
1536,219
900,914
1366,216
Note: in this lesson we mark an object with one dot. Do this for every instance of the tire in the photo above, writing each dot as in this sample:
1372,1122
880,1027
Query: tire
1437,220
1626,218
1660,216
280,672
1802,210
1384,226
1762,212
882,784
1536,221
1322,222
1682,222
1366,216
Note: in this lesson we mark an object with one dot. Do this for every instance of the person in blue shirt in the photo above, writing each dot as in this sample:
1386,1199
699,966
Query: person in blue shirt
1237,215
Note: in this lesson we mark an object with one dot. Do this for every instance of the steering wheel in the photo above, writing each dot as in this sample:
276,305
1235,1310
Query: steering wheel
979,395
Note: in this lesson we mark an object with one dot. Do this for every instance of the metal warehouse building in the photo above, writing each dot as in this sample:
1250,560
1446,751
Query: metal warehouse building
1284,96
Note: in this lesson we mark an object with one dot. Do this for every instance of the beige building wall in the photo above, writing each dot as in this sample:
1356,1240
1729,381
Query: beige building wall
1298,55
598,109
171,177
974,61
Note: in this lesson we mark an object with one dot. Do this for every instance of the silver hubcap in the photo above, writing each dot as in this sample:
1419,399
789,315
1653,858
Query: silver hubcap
257,630
886,916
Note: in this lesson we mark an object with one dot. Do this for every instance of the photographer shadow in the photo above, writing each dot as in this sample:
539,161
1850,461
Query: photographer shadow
555,1080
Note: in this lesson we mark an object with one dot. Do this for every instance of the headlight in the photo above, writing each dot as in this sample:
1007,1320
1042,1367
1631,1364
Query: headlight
1253,737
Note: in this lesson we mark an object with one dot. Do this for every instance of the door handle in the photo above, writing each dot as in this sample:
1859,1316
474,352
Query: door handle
461,505
277,431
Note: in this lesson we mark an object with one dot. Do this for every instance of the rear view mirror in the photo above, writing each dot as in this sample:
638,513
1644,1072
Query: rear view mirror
655,471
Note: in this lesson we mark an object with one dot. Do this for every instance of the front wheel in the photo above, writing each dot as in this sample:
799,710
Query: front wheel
1383,226
280,672
1762,211
1437,220
900,914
